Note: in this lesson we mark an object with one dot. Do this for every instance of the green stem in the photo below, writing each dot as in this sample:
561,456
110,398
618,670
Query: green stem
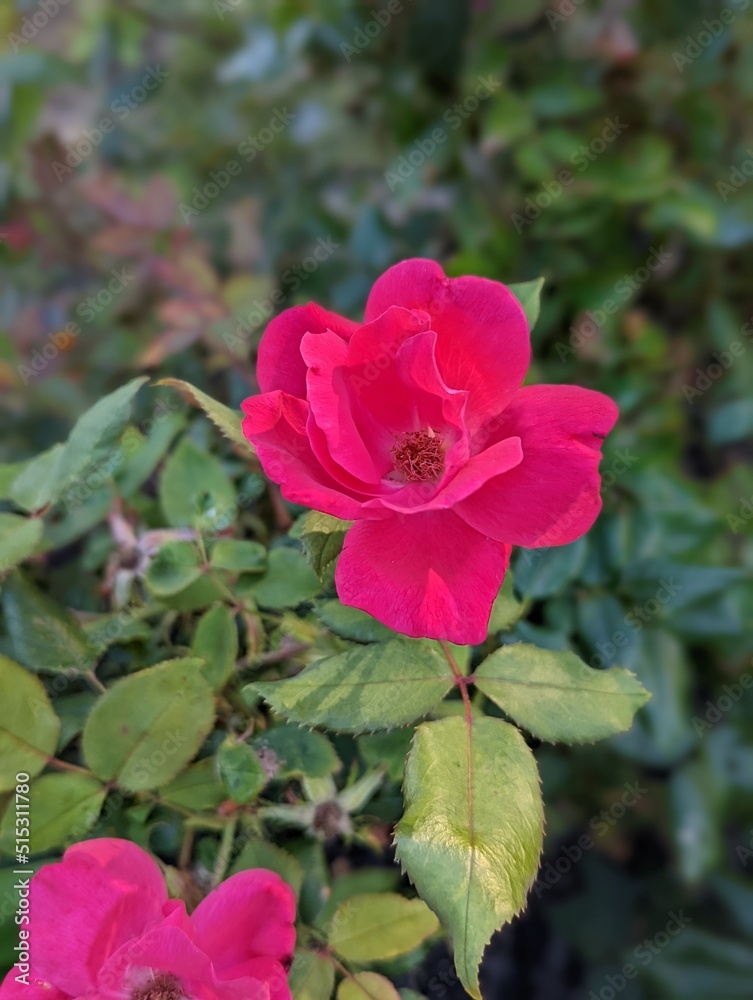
95,682
223,855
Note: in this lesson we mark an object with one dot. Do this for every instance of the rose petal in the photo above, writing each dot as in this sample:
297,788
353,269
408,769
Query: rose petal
373,374
279,364
362,408
37,989
266,970
472,476
394,376
168,950
330,398
554,495
251,915
382,403
425,575
483,339
433,403
104,892
275,423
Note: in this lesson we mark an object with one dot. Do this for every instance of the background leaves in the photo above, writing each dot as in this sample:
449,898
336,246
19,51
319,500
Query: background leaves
149,726
647,297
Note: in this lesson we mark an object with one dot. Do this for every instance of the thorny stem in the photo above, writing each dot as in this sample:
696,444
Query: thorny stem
460,680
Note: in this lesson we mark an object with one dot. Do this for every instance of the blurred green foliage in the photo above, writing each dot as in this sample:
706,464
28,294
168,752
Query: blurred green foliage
170,176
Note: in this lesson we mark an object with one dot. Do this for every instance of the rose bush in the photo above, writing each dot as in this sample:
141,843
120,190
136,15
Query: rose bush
415,426
101,926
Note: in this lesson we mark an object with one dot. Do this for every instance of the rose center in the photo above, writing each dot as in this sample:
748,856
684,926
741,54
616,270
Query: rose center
163,986
419,456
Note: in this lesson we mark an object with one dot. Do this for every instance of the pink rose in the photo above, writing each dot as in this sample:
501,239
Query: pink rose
102,928
415,426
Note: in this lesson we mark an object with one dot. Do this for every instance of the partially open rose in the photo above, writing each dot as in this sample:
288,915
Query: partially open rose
414,425
102,928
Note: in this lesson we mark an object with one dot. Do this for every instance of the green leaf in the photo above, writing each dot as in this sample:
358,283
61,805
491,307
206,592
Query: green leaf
228,421
64,808
373,927
506,609
352,623
43,636
149,725
239,556
241,770
19,537
471,835
528,293
194,490
104,631
366,986
261,854
216,643
696,796
697,965
145,453
197,788
98,432
288,581
34,487
9,472
78,517
603,628
732,421
664,731
29,728
356,882
321,537
199,595
72,710
293,752
92,443
563,99
312,976
557,697
543,572
371,687
353,797
175,567
389,750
